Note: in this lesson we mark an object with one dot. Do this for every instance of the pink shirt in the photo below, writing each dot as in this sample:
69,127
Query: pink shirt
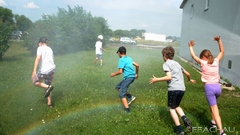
210,72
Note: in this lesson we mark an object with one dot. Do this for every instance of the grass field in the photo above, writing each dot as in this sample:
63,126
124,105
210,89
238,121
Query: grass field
85,101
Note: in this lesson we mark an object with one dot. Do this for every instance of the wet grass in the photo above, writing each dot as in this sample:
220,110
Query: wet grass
85,101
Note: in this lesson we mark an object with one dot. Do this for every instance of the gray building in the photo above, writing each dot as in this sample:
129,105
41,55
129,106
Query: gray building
204,19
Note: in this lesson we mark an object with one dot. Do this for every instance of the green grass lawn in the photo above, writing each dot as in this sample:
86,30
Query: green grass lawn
85,101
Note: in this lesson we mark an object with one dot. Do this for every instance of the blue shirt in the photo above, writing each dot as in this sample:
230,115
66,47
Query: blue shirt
126,64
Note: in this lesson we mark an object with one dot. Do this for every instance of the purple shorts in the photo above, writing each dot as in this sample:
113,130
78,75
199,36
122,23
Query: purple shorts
212,92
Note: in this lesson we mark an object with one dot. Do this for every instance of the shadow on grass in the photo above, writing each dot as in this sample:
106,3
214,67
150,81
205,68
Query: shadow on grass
1,132
15,57
201,115
164,115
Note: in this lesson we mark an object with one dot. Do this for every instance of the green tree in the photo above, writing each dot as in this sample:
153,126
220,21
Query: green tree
117,33
22,22
109,33
140,32
6,27
68,31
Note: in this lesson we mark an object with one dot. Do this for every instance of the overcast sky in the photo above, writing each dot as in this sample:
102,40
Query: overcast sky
154,16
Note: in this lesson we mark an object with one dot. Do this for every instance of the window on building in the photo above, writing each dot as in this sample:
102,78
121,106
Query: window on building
192,11
206,5
229,64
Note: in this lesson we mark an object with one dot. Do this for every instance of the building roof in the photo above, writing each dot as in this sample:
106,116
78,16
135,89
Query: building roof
183,3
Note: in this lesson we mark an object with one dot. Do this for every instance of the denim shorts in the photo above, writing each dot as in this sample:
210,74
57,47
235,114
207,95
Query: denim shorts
123,86
174,98
47,77
99,56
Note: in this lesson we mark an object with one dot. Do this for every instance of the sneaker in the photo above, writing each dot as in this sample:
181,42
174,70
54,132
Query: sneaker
223,133
127,111
130,100
181,133
47,92
188,124
213,125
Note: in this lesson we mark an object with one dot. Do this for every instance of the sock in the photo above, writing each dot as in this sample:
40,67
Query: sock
213,122
183,117
179,129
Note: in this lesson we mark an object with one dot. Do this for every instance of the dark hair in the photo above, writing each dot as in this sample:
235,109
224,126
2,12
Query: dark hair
207,54
122,50
43,40
168,52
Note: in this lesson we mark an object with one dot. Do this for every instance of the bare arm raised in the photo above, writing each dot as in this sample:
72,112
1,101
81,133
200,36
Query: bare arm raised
221,48
191,44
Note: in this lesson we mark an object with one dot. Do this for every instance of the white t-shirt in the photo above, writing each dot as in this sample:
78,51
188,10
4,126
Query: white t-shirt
46,63
98,47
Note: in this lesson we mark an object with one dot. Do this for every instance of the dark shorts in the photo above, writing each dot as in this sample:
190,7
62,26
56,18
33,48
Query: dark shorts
123,86
47,77
212,92
174,98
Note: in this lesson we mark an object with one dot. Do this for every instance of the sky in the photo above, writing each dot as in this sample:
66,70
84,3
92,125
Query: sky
154,16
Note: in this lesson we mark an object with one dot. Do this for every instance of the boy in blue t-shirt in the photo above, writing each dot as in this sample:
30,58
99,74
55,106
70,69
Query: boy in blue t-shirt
126,66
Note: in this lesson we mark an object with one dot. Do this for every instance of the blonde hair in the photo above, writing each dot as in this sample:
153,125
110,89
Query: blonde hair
207,54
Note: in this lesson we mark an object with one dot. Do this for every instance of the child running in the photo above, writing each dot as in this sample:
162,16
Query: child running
211,79
125,66
44,60
176,87
98,50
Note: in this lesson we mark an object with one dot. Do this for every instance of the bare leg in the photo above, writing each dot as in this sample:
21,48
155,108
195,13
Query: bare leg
41,84
216,116
174,116
50,100
95,60
186,121
180,111
213,120
101,62
125,103
45,86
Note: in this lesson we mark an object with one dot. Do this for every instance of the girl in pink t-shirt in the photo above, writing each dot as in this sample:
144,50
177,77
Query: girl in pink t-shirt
211,78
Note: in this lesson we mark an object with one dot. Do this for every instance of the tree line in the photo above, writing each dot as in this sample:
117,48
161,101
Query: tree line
8,23
68,30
